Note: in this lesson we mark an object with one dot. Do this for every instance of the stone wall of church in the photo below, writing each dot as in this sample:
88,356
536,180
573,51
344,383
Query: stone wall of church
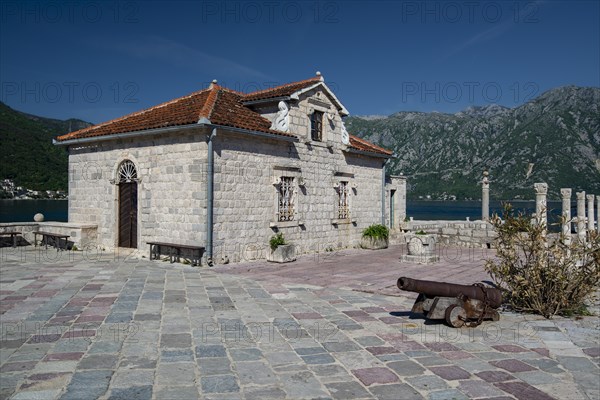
171,188
247,170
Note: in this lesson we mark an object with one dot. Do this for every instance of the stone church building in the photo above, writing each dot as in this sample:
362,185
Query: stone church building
228,170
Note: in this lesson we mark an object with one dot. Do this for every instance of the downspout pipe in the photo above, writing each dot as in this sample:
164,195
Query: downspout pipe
383,192
210,198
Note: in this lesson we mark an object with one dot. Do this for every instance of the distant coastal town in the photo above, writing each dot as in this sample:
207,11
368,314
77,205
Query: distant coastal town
8,190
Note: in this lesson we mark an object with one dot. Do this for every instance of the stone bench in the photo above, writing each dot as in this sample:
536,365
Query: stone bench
176,251
13,236
56,239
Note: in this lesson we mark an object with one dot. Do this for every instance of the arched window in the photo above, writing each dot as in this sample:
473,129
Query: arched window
127,172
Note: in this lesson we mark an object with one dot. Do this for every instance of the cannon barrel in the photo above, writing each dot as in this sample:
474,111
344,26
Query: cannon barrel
443,289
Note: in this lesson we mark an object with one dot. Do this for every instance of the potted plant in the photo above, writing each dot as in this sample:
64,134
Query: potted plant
375,237
281,252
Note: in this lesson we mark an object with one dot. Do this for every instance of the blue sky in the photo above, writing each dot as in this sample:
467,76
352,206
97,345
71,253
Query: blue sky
98,60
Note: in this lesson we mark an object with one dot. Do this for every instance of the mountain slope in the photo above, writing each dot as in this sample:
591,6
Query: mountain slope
554,138
26,151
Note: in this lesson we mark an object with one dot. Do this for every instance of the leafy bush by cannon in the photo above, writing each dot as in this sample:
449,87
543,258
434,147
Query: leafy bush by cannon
541,274
377,231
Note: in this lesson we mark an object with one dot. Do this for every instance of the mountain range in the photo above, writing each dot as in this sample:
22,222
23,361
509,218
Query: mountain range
27,154
554,138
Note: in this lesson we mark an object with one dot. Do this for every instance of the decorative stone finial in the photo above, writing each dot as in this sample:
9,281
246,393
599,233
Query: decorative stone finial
320,76
213,83
541,188
485,172
318,73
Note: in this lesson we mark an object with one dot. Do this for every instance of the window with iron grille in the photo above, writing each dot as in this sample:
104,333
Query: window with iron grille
285,210
343,201
316,126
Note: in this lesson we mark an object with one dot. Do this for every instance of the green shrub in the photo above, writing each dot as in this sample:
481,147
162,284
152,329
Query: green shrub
276,241
539,273
377,231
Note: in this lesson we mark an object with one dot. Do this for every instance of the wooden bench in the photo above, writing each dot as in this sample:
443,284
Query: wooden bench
56,239
13,236
176,251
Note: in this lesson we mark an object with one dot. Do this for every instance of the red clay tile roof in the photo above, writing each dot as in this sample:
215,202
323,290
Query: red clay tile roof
361,144
228,110
283,90
219,105
182,111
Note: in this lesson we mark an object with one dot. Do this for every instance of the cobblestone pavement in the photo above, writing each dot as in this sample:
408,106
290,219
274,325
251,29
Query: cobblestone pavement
77,327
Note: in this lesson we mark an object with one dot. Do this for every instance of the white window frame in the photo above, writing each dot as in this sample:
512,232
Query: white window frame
281,172
344,184
343,206
286,198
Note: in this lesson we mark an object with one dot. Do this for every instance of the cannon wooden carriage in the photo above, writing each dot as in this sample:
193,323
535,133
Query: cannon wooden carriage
458,305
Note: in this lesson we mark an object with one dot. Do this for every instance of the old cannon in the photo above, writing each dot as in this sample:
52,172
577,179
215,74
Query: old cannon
458,304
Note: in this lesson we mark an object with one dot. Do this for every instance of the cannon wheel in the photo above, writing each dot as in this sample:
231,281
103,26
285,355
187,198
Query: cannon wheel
456,316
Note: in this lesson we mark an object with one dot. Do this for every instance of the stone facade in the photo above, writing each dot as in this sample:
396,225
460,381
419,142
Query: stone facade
172,186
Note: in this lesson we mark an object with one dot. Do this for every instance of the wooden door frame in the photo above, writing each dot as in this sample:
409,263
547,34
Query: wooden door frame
116,181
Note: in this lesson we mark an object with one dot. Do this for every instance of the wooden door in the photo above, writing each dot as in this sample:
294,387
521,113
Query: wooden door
128,214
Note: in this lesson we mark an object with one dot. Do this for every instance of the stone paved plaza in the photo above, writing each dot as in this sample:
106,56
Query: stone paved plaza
333,326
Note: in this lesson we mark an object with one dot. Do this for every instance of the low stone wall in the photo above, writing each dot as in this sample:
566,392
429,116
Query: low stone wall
26,228
458,233
80,234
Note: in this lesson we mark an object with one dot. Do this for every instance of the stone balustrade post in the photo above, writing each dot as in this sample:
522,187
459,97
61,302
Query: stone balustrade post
566,214
598,212
541,208
485,197
590,212
581,216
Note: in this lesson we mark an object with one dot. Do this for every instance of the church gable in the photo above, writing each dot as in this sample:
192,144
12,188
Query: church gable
307,109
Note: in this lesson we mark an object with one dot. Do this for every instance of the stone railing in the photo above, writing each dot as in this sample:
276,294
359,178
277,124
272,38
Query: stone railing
457,233
80,234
